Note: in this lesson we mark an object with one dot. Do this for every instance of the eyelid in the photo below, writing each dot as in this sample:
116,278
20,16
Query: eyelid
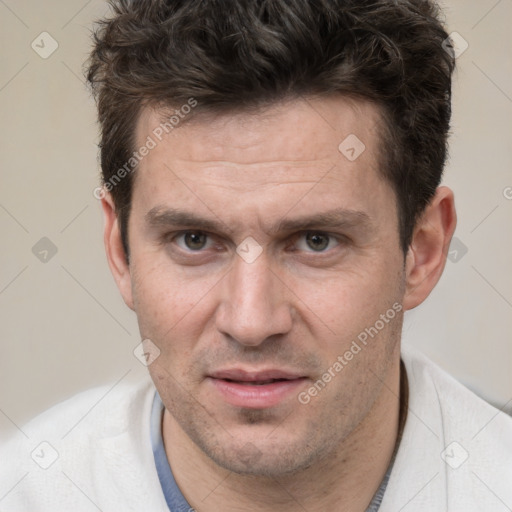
173,236
338,239
212,238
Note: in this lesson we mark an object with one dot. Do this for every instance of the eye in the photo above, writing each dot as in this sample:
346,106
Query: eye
316,241
192,240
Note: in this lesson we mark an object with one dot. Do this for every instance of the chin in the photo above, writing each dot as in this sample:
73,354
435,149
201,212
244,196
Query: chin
251,461
265,457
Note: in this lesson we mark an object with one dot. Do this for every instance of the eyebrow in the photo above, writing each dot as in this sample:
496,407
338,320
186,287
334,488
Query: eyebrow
159,217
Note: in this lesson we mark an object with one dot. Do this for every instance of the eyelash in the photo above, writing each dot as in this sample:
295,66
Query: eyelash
339,239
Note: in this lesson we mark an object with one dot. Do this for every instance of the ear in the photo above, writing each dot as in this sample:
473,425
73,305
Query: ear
427,252
116,256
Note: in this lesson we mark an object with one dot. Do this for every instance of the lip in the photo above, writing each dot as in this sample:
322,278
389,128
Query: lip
241,375
237,388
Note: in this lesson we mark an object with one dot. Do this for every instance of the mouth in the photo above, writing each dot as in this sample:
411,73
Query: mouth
256,382
255,389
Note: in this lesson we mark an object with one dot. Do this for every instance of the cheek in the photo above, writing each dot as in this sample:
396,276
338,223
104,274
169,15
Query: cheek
168,306
344,303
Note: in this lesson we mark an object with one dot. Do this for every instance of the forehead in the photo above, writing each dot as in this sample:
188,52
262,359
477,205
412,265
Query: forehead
300,130
249,167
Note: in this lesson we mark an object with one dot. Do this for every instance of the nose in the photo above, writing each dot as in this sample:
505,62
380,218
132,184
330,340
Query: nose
255,303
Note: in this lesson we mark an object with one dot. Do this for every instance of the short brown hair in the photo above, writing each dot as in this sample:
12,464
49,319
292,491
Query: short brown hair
232,55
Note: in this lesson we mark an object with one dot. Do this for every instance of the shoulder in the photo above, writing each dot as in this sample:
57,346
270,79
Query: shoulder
96,412
454,412
89,415
456,449
92,448
460,409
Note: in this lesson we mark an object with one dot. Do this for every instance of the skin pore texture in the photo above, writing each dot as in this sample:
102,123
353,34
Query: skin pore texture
297,307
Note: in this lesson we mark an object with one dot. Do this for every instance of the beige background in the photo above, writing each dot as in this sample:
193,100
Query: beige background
64,327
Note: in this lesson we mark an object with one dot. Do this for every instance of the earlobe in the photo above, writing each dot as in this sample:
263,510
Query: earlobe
427,252
116,256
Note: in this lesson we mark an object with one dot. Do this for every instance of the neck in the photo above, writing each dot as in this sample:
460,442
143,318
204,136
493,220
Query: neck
344,481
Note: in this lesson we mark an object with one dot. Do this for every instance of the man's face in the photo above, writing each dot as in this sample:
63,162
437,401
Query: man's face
330,266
